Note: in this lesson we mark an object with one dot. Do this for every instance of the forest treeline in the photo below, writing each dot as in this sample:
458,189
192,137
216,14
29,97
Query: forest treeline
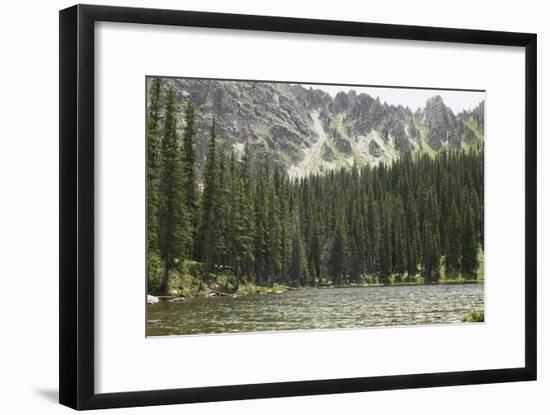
245,217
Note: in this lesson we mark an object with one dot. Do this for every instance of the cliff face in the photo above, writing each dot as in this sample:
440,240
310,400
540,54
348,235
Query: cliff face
306,130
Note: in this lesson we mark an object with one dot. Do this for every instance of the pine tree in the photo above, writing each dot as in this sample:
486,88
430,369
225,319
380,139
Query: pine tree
153,146
412,237
222,213
338,255
385,244
209,227
174,235
247,209
399,239
453,246
430,237
261,225
315,253
273,240
189,173
298,270
241,235
469,245
375,230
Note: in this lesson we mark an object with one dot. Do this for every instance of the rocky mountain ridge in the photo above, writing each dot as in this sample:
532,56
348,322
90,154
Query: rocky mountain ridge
306,130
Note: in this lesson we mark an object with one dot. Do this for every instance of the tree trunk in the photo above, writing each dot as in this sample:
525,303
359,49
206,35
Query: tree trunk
164,287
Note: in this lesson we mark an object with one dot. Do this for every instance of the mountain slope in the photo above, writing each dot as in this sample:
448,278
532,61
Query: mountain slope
308,131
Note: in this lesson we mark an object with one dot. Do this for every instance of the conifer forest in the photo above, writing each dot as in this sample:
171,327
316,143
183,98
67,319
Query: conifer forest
292,188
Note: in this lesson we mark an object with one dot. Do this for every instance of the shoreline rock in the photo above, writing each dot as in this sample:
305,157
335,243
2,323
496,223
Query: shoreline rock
151,299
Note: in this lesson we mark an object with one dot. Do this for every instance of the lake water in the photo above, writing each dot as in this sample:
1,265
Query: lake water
327,308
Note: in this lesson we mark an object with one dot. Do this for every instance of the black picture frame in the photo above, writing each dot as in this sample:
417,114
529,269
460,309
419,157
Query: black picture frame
76,279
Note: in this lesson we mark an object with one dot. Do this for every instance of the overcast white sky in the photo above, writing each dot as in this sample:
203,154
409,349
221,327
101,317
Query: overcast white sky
412,98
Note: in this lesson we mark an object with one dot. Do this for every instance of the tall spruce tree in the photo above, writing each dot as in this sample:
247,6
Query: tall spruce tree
298,270
385,246
189,168
274,231
399,241
469,245
209,225
174,235
453,246
261,226
338,256
412,236
430,237
153,163
240,229
247,210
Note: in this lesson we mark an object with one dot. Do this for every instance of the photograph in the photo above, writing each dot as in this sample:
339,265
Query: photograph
276,206
279,207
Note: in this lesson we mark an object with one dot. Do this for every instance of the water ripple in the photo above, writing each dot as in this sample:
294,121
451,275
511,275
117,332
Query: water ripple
352,307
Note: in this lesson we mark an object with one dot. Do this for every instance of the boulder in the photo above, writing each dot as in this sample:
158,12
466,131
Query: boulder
151,299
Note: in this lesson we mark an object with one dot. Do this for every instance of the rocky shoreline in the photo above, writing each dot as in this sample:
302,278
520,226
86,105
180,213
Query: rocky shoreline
279,289
210,293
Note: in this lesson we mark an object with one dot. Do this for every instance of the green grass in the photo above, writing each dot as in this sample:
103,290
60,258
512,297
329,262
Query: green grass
336,121
476,316
262,129
465,146
471,124
424,146
248,288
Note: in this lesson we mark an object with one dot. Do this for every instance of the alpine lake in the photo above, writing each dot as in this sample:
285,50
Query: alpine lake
317,309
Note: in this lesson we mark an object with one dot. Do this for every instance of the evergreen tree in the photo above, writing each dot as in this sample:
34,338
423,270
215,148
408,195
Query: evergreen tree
247,211
298,270
274,231
453,247
153,146
222,213
241,232
399,239
469,245
338,255
209,222
430,237
373,232
385,249
174,235
261,215
412,237
189,168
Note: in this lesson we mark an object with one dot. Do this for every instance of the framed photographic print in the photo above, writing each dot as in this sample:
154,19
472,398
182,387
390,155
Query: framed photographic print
260,206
